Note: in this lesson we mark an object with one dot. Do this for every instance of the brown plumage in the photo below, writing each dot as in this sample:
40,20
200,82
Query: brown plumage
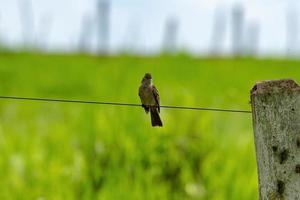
150,99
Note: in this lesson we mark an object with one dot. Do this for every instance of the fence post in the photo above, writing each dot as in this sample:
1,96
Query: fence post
276,123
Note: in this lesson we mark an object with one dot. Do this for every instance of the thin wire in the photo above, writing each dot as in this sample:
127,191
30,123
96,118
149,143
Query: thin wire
120,104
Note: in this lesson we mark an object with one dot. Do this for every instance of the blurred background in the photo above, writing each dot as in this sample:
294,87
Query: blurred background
201,53
199,27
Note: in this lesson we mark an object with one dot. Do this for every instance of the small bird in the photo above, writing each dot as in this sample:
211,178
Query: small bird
150,99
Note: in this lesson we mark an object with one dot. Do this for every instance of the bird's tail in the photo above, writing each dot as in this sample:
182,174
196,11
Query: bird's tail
155,118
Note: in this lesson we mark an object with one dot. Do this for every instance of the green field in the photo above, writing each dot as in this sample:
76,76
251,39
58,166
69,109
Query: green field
72,151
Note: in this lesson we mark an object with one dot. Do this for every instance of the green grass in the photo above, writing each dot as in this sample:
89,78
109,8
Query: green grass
72,151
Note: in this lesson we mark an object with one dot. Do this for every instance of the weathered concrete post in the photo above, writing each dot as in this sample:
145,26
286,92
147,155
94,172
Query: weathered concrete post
276,122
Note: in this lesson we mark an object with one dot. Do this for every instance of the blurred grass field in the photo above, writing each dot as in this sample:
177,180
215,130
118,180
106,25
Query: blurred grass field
72,151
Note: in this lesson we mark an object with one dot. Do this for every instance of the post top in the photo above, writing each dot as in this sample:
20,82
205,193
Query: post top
274,86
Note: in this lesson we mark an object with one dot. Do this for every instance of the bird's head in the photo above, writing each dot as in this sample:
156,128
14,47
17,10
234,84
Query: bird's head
147,80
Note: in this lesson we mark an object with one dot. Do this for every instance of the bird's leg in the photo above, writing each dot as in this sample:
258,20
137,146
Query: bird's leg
146,108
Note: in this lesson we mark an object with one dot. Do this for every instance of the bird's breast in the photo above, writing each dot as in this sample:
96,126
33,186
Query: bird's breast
146,94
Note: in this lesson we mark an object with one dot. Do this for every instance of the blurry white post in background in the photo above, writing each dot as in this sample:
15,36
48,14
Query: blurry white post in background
85,34
27,22
252,39
44,32
292,31
237,30
218,32
103,18
170,35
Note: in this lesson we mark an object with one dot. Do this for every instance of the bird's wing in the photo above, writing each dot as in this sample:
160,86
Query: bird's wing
156,97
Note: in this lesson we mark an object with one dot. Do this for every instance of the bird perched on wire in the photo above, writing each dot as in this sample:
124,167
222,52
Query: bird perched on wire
150,99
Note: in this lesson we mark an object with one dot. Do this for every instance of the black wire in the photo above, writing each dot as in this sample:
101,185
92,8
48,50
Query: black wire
120,104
